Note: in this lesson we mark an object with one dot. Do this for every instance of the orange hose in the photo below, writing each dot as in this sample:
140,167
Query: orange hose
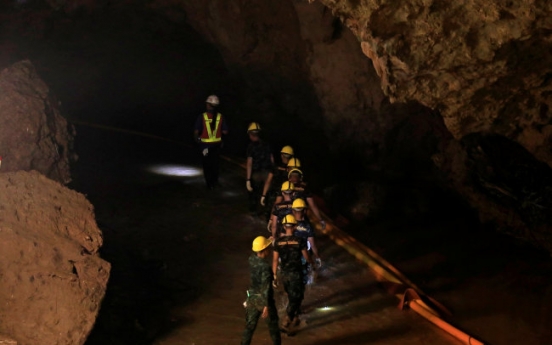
458,334
384,271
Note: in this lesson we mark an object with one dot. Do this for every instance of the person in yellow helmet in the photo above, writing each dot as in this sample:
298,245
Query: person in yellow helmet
260,296
295,176
304,228
293,163
259,163
281,209
289,250
276,177
208,131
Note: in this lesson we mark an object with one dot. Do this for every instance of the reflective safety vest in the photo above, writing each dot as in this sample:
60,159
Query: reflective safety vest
209,134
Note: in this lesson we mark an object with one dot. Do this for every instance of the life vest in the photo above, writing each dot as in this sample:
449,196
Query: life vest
209,135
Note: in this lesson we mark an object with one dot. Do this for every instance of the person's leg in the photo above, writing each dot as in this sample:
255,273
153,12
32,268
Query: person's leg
296,293
251,318
258,179
206,168
254,196
287,288
272,322
215,165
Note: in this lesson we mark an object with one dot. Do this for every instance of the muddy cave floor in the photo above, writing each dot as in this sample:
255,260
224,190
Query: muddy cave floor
179,255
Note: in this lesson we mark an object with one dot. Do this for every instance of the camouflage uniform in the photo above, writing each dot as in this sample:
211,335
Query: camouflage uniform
260,152
289,250
260,295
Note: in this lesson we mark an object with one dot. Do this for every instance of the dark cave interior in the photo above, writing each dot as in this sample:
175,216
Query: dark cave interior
129,67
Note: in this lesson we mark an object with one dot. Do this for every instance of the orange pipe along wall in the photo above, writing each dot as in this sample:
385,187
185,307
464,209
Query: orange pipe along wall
385,272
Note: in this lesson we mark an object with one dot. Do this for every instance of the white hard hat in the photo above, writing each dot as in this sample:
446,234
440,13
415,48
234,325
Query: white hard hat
213,100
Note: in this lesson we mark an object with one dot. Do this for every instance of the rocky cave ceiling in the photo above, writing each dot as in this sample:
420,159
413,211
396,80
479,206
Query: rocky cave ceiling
456,93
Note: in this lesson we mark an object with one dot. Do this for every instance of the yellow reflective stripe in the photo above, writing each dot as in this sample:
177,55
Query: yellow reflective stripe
212,135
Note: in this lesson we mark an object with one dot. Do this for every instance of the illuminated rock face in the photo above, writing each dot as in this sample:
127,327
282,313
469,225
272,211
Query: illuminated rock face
484,65
33,134
53,279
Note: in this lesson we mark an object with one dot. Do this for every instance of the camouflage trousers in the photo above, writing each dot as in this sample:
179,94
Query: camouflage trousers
252,316
295,290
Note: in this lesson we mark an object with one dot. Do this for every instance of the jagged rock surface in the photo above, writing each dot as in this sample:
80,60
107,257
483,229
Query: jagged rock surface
33,134
53,279
485,65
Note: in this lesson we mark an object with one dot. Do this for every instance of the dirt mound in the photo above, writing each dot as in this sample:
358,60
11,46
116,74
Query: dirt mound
33,134
52,278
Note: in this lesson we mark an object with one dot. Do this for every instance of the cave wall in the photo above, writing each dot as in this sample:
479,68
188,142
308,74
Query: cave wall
412,90
53,279
442,82
33,134
484,65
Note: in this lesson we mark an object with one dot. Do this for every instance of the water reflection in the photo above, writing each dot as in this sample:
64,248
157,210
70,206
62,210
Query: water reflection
175,170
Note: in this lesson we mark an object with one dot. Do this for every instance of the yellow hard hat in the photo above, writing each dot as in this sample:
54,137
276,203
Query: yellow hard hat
289,219
287,187
293,171
294,163
254,127
298,203
288,150
261,243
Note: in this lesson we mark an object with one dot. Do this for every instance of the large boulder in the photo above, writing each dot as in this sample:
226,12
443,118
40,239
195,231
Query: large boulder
33,134
53,280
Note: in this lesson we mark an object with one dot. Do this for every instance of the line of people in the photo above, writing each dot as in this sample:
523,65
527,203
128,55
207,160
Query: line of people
280,189
278,193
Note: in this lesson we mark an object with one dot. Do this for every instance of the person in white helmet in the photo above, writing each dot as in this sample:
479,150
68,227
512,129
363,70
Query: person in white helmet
208,130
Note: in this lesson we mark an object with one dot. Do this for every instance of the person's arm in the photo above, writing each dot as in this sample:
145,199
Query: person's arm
313,247
248,174
307,256
315,210
275,257
267,186
266,279
224,128
274,225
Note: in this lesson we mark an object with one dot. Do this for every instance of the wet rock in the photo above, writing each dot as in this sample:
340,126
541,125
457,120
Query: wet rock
53,279
33,134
